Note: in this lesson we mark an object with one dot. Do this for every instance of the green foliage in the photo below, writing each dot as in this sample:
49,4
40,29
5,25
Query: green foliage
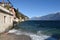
17,13
7,7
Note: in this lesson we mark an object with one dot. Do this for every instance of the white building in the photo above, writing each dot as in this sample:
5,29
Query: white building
8,15
6,19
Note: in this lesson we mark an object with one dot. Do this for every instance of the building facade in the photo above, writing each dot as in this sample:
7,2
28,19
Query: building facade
6,19
9,16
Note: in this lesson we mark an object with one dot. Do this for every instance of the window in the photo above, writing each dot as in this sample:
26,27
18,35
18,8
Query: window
4,19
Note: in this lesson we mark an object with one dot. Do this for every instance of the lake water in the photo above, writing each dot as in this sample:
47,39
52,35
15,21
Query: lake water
39,30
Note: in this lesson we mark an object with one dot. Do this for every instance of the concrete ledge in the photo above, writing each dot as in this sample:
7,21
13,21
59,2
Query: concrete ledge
5,10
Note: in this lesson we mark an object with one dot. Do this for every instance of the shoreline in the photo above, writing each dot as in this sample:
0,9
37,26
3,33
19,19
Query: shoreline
11,36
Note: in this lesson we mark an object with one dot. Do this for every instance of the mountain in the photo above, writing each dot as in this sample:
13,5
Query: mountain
55,16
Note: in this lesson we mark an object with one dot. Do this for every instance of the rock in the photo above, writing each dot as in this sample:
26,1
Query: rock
14,37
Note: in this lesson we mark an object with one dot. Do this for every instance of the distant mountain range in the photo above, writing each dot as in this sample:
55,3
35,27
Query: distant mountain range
55,16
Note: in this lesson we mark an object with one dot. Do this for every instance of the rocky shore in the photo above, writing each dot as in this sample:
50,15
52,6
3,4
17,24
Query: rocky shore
11,36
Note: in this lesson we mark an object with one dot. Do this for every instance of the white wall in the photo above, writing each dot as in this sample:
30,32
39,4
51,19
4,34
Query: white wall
4,25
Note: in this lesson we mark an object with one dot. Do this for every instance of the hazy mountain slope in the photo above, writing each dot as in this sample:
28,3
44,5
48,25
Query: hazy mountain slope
55,16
